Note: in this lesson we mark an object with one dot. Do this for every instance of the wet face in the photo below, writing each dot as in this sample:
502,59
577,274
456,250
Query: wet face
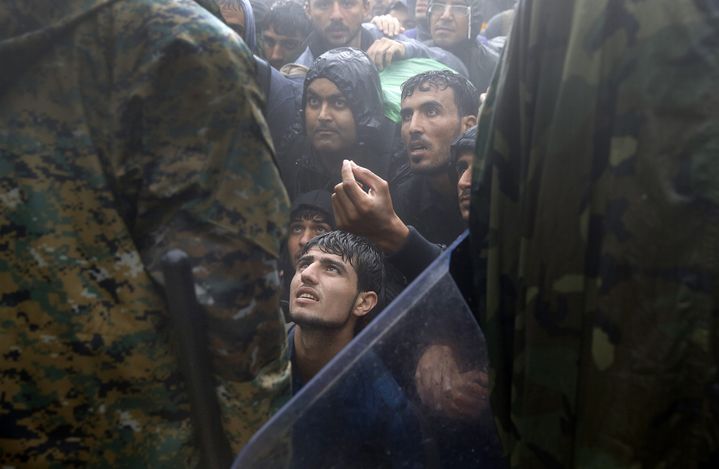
449,22
430,123
304,229
329,122
464,184
280,49
323,291
338,21
235,19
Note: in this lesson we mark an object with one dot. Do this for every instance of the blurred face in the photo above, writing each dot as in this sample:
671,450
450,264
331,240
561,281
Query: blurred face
449,22
420,10
303,230
377,7
280,49
464,184
402,16
430,122
329,121
323,291
338,21
235,19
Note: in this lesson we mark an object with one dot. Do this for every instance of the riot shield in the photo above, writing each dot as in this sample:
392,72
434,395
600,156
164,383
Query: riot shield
409,391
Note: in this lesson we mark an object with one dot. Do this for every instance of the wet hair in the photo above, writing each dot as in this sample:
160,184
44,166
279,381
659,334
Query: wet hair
466,96
363,256
288,18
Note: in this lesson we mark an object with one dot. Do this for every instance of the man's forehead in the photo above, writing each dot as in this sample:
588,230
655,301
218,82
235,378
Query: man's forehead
427,92
270,32
451,2
466,156
324,87
319,255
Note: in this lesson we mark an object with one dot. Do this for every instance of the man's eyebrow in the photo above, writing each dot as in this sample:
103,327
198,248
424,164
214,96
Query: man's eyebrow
306,258
330,262
430,105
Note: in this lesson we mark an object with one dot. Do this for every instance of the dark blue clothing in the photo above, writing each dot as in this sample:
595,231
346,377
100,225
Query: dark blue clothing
364,421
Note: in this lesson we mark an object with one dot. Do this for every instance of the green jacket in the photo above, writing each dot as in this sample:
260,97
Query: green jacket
595,221
129,127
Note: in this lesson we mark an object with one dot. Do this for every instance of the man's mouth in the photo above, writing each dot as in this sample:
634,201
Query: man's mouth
417,147
307,294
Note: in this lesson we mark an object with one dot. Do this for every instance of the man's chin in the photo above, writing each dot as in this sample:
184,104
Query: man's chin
307,322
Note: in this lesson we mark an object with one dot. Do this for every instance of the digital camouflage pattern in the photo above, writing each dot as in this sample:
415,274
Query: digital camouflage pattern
596,217
128,127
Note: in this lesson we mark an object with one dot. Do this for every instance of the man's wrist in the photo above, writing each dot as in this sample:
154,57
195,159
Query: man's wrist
395,237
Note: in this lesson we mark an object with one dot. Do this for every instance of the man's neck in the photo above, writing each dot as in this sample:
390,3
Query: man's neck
319,46
314,348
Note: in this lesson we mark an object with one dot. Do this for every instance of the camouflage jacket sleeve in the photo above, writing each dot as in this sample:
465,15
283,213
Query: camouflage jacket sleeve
596,196
192,150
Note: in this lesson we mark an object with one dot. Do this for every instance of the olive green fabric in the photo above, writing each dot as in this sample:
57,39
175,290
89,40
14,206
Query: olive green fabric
127,128
595,226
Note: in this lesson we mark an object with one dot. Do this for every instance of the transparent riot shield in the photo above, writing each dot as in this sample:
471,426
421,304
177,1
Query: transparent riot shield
409,391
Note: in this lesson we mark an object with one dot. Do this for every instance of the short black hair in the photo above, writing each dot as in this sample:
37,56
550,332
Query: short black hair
288,18
466,96
310,213
365,258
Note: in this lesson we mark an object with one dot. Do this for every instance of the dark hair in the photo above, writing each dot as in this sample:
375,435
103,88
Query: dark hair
466,96
288,18
365,258
310,213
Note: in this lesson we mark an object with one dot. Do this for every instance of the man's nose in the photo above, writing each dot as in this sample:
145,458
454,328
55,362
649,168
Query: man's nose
306,237
309,274
276,53
325,114
336,12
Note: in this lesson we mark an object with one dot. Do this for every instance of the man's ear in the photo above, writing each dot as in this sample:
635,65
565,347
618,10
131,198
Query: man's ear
467,122
365,302
365,8
307,8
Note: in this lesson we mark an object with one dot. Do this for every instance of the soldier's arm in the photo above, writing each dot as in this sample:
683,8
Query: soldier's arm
208,186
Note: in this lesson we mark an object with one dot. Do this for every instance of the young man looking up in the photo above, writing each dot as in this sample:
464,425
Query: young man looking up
365,417
337,284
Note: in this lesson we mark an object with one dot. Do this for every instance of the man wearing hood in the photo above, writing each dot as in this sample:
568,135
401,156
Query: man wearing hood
129,128
343,117
454,26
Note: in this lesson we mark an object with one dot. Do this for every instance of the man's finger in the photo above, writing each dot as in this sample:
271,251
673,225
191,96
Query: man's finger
367,177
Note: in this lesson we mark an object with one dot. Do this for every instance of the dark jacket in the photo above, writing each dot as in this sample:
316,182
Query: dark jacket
479,59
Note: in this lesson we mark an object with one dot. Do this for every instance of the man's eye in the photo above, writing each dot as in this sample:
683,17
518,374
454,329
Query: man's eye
296,229
322,229
313,102
348,3
432,112
323,5
332,268
340,103
461,168
406,116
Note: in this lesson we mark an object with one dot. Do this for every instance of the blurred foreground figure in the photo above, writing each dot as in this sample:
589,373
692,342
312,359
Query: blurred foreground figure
127,128
596,195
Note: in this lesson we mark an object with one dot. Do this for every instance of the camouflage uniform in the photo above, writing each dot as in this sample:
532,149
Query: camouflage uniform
596,196
128,127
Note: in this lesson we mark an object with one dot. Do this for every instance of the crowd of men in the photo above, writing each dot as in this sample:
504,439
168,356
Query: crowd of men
258,137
